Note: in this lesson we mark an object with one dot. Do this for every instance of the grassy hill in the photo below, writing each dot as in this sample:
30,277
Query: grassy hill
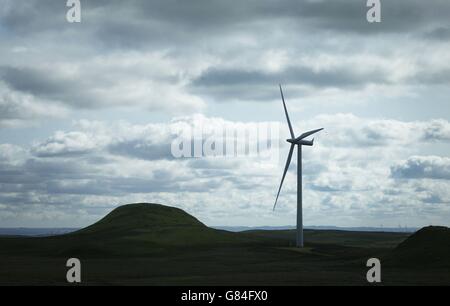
133,218
160,226
430,246
131,230
151,244
339,237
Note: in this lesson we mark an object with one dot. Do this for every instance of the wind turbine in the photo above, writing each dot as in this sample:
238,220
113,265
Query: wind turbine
299,142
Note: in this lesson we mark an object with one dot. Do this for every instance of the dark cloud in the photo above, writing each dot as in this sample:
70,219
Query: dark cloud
433,199
207,15
32,17
33,81
18,108
12,108
423,167
55,169
243,182
439,33
142,149
115,186
76,176
51,86
192,29
439,77
322,188
436,130
258,84
177,55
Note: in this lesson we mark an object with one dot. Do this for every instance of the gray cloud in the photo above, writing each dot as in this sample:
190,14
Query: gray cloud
49,85
437,130
31,81
205,15
142,149
65,144
418,167
175,56
77,176
433,199
100,159
136,57
439,33
349,131
18,108
101,164
258,85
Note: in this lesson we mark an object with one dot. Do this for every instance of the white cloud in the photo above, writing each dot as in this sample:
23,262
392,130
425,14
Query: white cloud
139,59
19,109
61,144
352,183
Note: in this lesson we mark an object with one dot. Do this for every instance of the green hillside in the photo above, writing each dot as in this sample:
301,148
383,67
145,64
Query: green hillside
429,246
131,230
135,218
159,226
151,244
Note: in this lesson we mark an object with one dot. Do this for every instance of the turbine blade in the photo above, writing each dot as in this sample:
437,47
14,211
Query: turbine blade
286,112
304,135
288,161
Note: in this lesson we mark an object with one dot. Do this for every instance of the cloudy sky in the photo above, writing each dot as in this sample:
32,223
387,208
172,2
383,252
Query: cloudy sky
87,110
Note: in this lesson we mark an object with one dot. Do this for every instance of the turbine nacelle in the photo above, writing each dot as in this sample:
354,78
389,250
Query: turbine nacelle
301,142
306,142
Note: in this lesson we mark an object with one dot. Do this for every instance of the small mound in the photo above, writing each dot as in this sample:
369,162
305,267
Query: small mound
142,217
142,228
430,246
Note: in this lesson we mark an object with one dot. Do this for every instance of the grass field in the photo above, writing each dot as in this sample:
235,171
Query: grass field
144,244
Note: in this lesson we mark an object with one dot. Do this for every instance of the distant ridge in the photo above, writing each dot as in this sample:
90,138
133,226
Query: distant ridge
325,227
36,231
54,231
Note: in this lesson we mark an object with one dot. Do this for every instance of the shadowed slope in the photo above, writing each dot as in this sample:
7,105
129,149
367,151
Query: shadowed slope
151,226
139,218
151,244
132,230
429,246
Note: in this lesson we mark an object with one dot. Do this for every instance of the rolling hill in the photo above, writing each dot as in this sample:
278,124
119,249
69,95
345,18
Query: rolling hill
153,226
132,230
135,218
151,244
430,246
159,225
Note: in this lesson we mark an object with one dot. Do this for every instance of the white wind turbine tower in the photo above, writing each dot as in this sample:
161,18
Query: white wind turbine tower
299,142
